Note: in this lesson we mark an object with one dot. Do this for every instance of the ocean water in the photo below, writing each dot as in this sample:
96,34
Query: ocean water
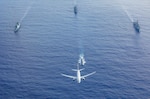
51,38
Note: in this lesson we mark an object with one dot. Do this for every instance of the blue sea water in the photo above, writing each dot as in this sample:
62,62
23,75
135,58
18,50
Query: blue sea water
51,38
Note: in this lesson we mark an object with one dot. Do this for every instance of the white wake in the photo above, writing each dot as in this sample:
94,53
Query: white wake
128,14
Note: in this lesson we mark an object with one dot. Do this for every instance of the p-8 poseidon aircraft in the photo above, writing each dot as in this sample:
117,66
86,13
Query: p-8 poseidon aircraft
78,77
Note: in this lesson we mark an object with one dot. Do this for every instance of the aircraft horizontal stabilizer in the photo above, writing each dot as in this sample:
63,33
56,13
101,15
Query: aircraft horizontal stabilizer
74,69
82,69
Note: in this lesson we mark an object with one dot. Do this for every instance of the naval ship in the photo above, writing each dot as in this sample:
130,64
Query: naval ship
17,27
136,26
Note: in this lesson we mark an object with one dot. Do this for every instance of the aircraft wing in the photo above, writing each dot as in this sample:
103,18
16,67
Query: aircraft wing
88,74
73,77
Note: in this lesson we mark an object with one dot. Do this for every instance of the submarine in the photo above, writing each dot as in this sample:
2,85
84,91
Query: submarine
81,60
136,26
17,27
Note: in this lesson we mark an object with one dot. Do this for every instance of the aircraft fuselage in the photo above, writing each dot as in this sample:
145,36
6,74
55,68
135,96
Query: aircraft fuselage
78,76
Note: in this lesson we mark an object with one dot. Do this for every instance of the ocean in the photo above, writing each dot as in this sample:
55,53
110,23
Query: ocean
52,37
